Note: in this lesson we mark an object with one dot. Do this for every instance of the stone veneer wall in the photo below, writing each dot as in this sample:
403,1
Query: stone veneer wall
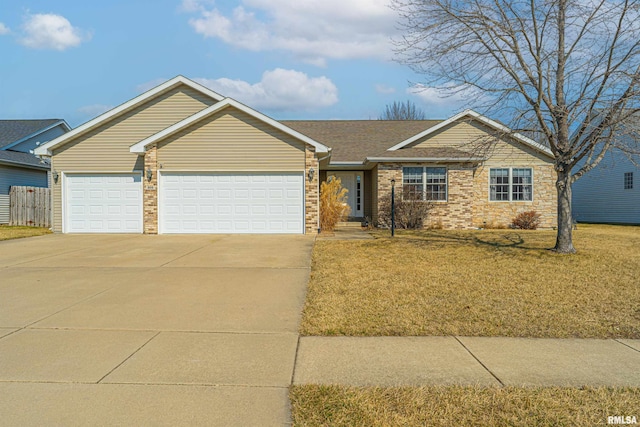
500,214
455,213
150,192
311,192
468,204
385,172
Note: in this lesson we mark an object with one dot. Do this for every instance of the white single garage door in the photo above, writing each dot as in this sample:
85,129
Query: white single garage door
103,203
231,203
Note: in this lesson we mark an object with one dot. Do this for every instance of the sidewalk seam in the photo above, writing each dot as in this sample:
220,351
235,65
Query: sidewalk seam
626,345
480,362
127,358
295,361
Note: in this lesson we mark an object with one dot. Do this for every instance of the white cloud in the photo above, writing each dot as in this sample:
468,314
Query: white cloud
150,85
50,31
384,89
195,5
312,30
441,97
4,29
279,89
94,110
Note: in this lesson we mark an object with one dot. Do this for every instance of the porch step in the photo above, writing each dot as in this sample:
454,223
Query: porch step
349,224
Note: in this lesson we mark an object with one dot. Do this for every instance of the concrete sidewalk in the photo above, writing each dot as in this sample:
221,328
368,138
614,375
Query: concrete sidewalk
483,361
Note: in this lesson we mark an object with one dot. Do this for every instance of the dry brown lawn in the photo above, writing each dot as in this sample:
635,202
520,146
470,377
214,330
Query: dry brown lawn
477,283
16,232
459,406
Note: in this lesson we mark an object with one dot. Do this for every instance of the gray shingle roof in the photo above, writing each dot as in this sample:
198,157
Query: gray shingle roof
17,157
14,130
426,153
355,140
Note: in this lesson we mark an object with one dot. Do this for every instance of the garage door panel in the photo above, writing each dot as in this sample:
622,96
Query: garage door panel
231,203
103,203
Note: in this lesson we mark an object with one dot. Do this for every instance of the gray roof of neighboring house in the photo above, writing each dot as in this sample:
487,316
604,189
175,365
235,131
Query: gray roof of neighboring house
14,130
20,158
355,140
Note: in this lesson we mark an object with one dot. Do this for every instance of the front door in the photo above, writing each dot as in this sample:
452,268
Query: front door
354,183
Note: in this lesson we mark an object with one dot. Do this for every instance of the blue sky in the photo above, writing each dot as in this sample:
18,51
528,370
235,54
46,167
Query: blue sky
290,59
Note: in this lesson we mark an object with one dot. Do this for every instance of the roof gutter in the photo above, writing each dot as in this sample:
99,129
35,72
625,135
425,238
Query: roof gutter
424,159
25,165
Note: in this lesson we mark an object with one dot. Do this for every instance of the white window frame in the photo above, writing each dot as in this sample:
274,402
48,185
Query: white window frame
510,185
628,181
424,182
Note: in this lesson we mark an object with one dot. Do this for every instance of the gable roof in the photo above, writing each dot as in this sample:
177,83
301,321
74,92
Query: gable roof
482,119
45,149
13,132
141,146
355,140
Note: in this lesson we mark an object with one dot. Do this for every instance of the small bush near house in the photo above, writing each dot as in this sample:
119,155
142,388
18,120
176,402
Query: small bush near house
529,220
333,204
409,214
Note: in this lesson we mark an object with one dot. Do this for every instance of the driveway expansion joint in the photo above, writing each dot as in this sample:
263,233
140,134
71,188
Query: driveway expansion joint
66,308
184,255
480,362
127,358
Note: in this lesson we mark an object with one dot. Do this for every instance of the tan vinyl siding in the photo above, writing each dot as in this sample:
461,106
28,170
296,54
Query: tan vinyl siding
473,137
106,148
231,140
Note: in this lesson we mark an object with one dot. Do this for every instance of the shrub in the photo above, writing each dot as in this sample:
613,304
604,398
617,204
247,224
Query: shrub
333,204
409,214
529,220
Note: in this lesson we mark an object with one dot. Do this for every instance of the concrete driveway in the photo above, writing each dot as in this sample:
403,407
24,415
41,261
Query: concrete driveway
150,330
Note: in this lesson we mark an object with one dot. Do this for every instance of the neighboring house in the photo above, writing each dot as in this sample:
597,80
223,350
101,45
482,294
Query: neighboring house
609,193
18,166
181,158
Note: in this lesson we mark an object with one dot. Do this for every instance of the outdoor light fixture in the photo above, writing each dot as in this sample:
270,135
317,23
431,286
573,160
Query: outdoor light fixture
55,176
312,172
149,174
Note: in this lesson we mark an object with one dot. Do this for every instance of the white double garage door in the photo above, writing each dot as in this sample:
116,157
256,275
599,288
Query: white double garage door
187,203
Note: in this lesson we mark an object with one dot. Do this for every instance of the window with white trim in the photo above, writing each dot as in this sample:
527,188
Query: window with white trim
628,180
510,184
424,183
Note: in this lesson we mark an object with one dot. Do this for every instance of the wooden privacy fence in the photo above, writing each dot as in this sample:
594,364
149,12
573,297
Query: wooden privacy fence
30,206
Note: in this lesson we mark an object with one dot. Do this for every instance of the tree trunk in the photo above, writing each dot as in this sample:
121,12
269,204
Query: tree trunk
564,239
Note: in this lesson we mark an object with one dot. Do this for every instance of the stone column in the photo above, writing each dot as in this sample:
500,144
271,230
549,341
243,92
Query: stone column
150,192
311,192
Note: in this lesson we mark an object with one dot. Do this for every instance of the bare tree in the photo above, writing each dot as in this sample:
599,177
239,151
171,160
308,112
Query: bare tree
402,111
565,71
